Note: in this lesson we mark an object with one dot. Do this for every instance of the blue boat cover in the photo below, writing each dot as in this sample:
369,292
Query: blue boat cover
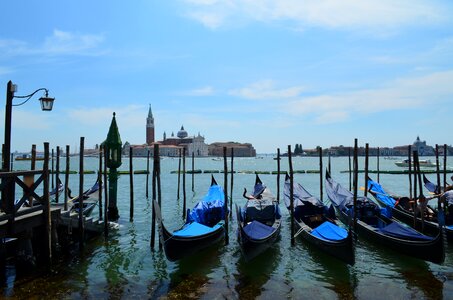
380,193
338,195
211,209
301,195
398,230
257,230
195,229
330,231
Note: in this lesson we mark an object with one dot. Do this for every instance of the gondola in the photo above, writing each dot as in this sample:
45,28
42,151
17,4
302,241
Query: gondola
317,223
205,225
372,224
259,221
90,200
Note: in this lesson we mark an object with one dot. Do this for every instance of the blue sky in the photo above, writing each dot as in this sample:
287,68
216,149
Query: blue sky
272,73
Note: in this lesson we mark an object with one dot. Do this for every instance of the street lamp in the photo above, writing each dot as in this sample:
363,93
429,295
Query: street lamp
46,105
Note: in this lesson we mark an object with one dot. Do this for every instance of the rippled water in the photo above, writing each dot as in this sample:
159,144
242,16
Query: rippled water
124,265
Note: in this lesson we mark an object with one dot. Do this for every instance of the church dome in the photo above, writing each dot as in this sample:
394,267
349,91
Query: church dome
182,133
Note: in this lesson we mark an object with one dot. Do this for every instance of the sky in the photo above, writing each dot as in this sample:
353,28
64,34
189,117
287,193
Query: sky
270,73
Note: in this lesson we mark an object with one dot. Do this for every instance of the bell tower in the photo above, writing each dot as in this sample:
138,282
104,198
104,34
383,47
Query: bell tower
150,127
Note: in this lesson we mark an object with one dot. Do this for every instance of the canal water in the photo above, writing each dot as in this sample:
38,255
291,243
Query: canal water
124,266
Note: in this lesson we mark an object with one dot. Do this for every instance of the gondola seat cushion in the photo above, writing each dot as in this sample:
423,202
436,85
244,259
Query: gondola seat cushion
195,229
258,230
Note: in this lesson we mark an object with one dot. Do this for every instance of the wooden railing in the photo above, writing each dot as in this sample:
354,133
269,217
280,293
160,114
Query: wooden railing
9,180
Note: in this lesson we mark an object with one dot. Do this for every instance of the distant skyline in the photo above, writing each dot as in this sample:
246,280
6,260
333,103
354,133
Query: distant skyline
270,73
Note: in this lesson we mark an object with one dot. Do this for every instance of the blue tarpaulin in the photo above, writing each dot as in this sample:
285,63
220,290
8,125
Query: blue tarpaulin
398,230
380,193
329,231
210,210
258,230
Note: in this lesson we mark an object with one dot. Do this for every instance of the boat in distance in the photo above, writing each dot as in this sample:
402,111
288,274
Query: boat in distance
426,163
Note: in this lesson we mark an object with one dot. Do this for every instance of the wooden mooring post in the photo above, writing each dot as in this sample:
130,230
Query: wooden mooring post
291,195
184,183
147,174
131,188
367,149
153,198
179,171
52,169
355,187
33,157
81,171
350,173
225,191
66,180
377,166
278,175
445,165
106,194
159,193
193,171
100,183
231,183
57,176
320,174
409,172
46,209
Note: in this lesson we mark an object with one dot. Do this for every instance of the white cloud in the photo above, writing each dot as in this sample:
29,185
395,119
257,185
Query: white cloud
265,90
64,42
204,91
59,43
406,93
376,14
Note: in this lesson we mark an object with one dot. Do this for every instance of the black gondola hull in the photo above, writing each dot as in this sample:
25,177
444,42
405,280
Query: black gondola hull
432,250
178,247
251,247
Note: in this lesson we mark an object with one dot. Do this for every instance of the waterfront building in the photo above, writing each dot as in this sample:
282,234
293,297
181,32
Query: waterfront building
240,150
193,144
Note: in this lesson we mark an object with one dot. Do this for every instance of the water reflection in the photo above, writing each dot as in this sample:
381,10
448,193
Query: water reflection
192,274
253,275
420,280
341,278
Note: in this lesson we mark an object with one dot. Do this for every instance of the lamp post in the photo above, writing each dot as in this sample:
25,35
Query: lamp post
46,105
113,146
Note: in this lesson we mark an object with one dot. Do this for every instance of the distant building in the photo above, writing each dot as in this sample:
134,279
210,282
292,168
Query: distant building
173,145
422,148
240,150
150,127
194,145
